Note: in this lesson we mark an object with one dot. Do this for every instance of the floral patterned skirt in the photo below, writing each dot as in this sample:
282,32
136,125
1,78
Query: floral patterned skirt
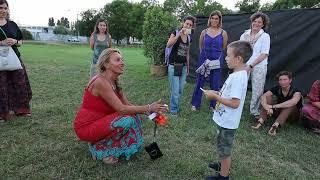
15,92
311,116
126,139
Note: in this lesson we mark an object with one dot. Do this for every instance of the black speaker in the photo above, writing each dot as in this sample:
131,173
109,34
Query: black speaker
153,151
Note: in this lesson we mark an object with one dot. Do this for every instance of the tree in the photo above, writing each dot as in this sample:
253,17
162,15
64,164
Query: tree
158,23
60,30
290,4
63,22
87,22
173,6
26,34
266,7
182,8
51,22
248,5
205,7
118,13
136,18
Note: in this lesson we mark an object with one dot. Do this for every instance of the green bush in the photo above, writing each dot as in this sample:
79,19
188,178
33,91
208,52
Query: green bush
61,30
157,25
26,34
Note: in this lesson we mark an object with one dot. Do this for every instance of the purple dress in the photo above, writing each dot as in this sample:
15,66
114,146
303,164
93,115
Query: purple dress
212,49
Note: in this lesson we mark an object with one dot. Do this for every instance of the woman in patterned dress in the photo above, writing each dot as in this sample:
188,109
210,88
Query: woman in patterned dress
106,119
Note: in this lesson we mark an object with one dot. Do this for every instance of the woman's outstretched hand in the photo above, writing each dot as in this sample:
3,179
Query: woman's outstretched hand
158,107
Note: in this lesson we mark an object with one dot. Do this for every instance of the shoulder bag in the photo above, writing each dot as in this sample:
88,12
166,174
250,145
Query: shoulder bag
9,61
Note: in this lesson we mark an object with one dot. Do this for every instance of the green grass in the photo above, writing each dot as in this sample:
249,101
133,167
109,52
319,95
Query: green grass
45,146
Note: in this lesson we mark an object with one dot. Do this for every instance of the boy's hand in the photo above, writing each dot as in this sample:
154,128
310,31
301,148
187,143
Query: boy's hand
211,94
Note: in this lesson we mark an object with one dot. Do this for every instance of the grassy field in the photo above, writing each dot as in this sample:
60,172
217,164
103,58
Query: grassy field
44,146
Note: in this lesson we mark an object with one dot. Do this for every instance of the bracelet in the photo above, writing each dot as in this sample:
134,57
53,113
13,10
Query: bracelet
149,109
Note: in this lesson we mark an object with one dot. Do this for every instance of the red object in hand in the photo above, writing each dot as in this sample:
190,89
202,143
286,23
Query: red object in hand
161,120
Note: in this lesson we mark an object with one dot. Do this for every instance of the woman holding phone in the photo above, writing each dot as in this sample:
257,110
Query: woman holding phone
212,42
178,67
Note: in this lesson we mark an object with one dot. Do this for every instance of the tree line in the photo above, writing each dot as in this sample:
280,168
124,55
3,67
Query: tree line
126,18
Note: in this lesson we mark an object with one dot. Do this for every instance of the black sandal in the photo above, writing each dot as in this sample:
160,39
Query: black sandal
215,166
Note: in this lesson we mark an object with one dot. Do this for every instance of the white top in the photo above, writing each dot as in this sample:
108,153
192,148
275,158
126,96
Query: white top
262,46
234,87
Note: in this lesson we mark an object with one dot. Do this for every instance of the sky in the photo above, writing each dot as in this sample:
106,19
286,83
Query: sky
37,12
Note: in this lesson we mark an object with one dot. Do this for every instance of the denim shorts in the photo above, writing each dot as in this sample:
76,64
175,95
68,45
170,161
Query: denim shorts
225,142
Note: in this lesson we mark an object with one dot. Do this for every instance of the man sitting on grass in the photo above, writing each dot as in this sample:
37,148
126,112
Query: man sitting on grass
288,103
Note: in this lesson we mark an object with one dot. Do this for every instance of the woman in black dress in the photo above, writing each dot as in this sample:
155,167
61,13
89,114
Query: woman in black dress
15,90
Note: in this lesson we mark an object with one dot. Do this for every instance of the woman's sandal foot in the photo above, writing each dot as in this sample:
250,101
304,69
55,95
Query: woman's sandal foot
110,160
273,130
258,124
93,157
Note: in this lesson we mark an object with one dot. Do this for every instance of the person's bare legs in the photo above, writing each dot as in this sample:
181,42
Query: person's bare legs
282,118
225,166
263,115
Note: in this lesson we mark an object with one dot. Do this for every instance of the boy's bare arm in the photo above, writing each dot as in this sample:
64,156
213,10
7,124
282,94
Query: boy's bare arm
214,95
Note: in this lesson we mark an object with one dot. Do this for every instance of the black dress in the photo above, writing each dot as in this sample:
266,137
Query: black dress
15,90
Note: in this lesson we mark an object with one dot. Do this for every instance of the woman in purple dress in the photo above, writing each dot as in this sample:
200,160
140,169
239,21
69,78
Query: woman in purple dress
212,42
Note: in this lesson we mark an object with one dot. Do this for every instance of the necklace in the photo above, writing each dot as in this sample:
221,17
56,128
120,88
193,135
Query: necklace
113,84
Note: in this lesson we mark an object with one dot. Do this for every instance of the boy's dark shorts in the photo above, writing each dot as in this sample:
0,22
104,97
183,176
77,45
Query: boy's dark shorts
225,142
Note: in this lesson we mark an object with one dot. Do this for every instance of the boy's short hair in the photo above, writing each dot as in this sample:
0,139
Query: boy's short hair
242,49
284,73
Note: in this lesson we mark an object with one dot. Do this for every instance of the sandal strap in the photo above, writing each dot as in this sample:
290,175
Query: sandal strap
274,128
261,121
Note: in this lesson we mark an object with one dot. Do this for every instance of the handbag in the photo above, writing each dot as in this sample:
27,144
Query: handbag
153,149
9,61
177,67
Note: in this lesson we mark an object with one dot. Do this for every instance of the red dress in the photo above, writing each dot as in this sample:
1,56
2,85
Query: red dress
310,112
108,132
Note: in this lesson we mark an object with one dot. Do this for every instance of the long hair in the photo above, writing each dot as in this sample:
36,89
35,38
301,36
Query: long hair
5,2
96,29
218,13
104,58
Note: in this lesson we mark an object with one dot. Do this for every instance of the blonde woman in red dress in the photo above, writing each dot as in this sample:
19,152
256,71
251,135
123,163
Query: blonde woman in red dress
106,119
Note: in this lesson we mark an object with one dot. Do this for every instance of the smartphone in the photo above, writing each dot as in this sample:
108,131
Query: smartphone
187,31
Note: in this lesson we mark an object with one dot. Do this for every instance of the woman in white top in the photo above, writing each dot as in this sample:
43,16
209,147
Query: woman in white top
257,64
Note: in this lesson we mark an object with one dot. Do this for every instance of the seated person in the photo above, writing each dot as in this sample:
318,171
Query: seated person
106,119
288,103
311,110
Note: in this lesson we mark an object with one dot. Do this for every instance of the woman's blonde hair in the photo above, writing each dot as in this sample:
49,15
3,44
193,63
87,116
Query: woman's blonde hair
104,58
218,13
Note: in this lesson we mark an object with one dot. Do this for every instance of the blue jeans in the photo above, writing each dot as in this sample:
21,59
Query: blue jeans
176,87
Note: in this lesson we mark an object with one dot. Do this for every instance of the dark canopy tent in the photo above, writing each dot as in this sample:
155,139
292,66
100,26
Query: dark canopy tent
295,38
